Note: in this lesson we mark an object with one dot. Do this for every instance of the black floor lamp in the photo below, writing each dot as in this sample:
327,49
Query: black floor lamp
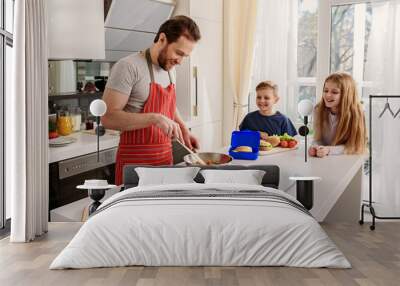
97,188
305,108
98,108
305,185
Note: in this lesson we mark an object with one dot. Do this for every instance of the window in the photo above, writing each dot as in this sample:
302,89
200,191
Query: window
342,38
350,31
303,85
286,52
9,15
307,38
6,44
327,36
307,43
361,38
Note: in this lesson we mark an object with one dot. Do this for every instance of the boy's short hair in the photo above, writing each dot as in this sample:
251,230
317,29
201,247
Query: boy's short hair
268,84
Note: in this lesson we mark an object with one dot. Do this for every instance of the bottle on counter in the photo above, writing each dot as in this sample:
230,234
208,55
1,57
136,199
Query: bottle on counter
89,124
76,117
53,126
64,123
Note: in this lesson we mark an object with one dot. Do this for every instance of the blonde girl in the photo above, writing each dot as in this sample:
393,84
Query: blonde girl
339,122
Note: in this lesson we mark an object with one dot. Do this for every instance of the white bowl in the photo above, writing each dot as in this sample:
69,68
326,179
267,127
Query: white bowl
96,184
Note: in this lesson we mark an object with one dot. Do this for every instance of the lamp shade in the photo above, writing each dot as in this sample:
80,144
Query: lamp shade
305,107
98,107
76,29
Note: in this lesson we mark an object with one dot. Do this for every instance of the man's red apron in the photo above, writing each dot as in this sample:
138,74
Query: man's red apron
148,146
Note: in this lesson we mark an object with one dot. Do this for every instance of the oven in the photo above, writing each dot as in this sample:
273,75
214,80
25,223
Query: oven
65,175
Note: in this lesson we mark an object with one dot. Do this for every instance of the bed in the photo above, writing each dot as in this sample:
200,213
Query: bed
201,224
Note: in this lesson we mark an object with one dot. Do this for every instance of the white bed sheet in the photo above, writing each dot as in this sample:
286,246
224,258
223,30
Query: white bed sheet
200,231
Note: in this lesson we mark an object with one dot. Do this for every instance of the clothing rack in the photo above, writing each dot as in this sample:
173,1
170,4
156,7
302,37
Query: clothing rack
369,204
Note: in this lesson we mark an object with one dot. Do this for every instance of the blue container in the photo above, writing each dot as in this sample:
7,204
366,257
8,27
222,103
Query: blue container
245,138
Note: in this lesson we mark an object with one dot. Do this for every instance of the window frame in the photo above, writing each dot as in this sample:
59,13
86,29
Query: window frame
324,42
6,39
2,176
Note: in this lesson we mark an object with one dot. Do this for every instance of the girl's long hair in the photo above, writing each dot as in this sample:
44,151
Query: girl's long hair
351,130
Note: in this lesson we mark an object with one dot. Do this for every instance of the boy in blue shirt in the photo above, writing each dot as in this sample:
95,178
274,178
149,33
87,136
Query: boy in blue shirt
265,119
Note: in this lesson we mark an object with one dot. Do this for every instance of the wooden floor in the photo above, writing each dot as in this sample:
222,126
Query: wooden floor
375,257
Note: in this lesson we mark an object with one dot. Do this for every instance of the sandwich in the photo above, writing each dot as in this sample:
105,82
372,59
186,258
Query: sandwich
265,146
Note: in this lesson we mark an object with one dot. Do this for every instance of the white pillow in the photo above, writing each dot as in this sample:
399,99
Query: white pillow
164,176
248,177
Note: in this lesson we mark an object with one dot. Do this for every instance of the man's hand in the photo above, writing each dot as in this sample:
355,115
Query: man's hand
168,127
190,140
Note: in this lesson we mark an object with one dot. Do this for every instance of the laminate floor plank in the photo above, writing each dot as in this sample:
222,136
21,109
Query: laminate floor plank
374,255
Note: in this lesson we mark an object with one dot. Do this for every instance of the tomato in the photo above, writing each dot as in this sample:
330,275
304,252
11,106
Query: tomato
292,143
284,144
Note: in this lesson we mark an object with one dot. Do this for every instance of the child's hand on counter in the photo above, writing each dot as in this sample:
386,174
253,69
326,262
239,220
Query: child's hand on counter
322,151
318,151
312,151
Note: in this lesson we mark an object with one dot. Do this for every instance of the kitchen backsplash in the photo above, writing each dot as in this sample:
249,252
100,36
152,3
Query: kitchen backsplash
73,85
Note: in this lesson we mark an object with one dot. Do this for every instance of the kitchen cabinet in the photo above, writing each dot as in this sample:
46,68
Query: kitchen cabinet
83,36
210,135
199,81
207,9
208,60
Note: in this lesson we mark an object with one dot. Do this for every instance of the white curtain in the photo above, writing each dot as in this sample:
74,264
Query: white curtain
27,127
276,49
239,32
383,70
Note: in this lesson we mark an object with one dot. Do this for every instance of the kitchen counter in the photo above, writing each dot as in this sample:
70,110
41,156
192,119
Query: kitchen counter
337,197
85,144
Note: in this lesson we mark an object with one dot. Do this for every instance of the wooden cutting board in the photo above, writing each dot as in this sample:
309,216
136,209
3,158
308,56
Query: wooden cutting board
276,150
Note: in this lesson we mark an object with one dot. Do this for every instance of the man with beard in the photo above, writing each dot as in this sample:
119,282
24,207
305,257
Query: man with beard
141,100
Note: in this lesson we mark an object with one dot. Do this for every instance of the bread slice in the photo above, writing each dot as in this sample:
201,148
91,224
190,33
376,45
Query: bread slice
274,140
247,149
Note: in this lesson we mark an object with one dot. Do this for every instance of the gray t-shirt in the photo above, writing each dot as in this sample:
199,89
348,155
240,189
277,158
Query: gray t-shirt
131,76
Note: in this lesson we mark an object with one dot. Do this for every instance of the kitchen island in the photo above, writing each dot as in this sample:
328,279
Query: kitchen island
337,196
